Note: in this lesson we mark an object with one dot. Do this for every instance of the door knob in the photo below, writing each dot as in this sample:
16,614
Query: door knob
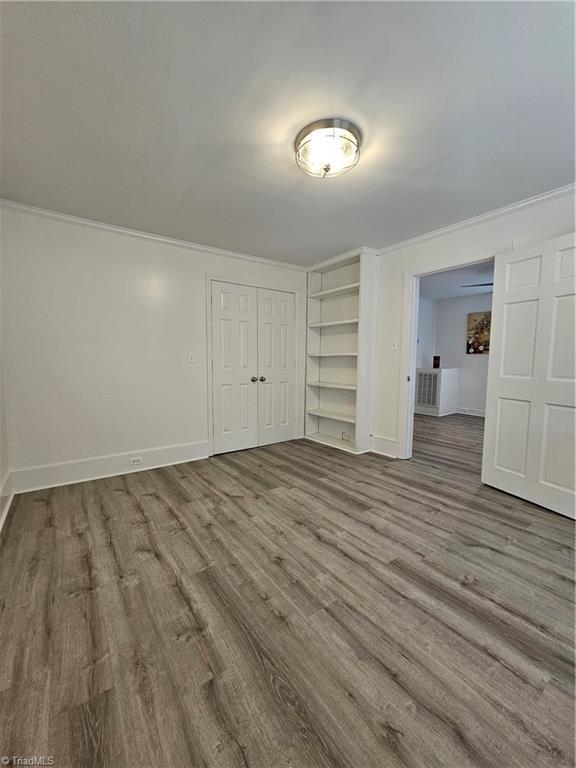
262,378
253,378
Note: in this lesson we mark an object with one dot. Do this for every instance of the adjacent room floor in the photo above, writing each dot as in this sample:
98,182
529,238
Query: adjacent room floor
290,606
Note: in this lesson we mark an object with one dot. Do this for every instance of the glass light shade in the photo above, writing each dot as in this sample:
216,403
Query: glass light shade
328,147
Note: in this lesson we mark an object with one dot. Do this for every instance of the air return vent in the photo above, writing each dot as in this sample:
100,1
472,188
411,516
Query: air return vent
427,388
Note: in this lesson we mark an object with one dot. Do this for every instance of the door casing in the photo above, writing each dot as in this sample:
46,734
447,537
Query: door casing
408,343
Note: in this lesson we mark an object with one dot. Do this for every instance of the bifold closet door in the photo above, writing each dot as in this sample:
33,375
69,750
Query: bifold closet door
276,367
253,375
530,430
235,366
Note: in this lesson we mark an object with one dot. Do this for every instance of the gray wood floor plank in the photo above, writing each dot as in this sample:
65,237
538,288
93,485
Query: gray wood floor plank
291,606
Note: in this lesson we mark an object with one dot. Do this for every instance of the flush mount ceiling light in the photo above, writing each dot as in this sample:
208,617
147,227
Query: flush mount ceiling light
328,147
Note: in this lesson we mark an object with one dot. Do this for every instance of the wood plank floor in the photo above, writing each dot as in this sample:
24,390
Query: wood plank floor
290,607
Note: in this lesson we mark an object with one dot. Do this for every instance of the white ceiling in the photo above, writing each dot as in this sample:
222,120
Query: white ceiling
178,118
448,284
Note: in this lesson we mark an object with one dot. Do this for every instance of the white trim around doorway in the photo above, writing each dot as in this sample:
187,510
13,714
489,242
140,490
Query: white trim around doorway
410,302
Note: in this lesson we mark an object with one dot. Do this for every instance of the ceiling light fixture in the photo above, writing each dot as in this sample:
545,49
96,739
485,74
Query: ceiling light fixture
328,147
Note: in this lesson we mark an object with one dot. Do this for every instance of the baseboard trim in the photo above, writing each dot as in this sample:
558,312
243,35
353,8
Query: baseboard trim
384,446
6,497
52,475
422,410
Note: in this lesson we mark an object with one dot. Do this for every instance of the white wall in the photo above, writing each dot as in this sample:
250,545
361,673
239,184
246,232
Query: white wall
427,319
98,327
442,331
479,239
452,316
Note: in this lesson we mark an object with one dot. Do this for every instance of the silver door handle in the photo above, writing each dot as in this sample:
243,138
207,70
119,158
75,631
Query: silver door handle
262,378
253,378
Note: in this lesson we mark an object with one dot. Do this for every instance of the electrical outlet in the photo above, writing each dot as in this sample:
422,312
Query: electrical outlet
136,460
191,359
346,437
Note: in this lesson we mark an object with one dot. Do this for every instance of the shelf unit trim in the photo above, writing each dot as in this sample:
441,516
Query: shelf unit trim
333,442
332,354
331,385
343,290
329,323
334,415
335,262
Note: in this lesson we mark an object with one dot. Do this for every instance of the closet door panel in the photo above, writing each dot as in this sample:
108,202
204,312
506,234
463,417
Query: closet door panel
276,366
235,361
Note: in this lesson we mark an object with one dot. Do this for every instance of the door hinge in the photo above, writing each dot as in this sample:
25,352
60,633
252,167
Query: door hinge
407,378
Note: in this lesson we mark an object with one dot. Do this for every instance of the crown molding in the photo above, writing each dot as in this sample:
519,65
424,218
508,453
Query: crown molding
327,263
32,210
464,224
481,218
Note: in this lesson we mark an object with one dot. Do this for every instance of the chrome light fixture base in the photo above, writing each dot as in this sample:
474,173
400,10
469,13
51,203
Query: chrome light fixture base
328,147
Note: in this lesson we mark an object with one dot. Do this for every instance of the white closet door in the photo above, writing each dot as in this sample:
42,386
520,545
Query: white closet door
530,410
235,361
276,395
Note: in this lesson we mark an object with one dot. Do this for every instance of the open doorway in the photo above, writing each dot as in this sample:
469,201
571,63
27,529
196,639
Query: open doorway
451,348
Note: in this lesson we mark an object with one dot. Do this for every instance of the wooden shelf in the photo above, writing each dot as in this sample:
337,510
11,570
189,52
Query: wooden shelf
334,442
332,354
350,321
344,290
334,415
331,385
343,354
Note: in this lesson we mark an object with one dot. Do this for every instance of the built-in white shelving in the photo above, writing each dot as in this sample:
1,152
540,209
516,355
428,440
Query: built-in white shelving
335,442
340,350
332,354
332,385
346,418
331,323
344,290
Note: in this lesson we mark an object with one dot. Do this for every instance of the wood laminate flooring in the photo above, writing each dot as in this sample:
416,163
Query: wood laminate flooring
290,606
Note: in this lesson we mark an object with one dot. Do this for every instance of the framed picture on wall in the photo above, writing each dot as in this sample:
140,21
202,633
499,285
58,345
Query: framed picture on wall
478,333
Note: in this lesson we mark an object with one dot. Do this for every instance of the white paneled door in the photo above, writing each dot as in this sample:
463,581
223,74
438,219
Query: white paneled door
275,366
530,428
235,366
253,366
